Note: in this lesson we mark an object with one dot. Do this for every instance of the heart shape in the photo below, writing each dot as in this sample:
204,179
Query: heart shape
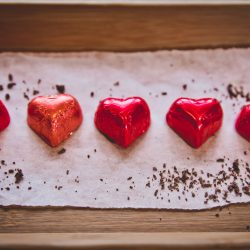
122,120
4,117
54,117
195,120
242,124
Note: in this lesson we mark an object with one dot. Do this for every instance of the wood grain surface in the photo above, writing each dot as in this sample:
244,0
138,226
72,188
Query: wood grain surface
126,241
129,2
235,218
132,27
53,27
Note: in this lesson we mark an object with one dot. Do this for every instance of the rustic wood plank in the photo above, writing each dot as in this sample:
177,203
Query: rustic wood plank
122,28
126,240
130,2
235,218
52,27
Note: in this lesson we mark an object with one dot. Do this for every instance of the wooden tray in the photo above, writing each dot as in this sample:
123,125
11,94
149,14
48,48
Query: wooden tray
123,26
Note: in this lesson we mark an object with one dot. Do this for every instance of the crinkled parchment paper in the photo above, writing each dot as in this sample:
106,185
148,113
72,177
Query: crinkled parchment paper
93,172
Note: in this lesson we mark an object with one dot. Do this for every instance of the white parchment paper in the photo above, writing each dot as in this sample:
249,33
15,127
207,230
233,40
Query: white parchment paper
93,172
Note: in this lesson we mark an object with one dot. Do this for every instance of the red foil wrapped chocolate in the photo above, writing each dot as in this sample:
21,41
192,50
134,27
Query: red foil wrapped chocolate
4,117
122,120
195,120
242,124
54,117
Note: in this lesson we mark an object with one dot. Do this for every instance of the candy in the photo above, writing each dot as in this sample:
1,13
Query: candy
242,124
122,120
4,117
195,120
54,117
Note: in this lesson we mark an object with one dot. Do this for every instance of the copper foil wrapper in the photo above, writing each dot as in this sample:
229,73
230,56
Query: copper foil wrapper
54,117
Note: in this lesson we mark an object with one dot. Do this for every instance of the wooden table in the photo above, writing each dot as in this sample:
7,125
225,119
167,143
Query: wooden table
140,25
76,227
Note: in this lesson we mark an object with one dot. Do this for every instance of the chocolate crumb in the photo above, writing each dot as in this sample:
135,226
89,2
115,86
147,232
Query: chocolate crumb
92,94
220,160
67,172
11,171
164,93
7,188
156,192
101,179
60,88
7,97
116,83
246,190
18,176
154,169
1,87
232,91
234,187
61,151
29,188
129,178
35,92
10,77
128,198
217,215
11,85
39,81
26,96
184,86
88,156
236,168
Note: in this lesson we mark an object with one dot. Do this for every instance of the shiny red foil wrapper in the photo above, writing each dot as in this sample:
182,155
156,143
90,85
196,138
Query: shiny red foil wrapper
195,120
242,124
4,117
54,117
123,120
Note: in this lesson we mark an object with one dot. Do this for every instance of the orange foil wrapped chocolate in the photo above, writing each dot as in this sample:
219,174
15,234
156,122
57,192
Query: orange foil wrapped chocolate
54,117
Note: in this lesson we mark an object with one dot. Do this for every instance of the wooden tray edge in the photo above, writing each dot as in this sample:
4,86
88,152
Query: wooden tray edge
192,240
127,2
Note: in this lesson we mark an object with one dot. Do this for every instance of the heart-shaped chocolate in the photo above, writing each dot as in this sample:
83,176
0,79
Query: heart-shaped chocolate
54,117
122,120
195,120
242,124
4,117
